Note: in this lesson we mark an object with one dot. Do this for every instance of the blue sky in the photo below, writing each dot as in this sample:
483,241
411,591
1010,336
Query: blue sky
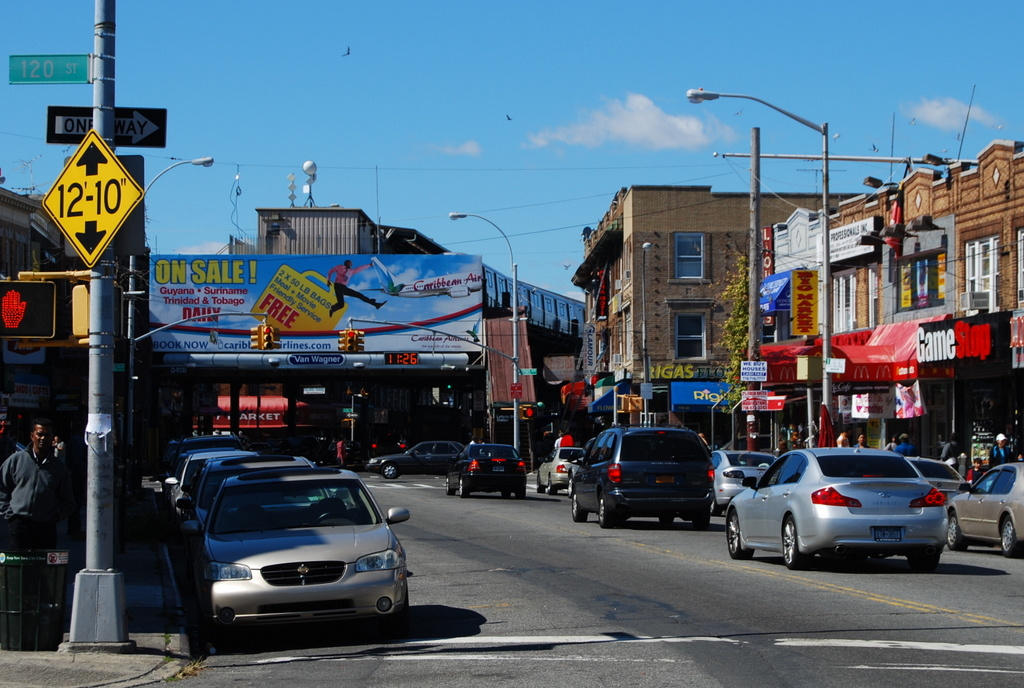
532,114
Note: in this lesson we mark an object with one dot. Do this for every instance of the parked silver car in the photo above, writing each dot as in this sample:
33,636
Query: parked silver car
987,513
940,474
556,468
845,502
731,467
295,545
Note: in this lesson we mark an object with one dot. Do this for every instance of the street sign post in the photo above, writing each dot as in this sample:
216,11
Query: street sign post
50,69
753,371
138,127
516,390
92,197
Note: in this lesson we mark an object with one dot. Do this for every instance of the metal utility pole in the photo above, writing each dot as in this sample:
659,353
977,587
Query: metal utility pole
98,617
754,290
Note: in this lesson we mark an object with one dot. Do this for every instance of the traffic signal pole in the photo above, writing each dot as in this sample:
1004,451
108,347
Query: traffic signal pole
98,615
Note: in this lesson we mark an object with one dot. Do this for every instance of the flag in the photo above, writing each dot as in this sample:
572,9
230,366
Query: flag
826,433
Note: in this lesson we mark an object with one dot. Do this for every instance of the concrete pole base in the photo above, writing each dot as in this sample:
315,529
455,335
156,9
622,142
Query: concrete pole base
99,614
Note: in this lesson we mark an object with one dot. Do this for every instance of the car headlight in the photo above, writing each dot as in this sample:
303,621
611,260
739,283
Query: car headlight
382,561
216,571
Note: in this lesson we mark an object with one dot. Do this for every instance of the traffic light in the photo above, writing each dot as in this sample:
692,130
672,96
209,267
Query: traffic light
527,413
256,337
358,340
347,341
27,309
269,338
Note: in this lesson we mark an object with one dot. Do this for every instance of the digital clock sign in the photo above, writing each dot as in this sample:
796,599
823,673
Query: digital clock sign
401,358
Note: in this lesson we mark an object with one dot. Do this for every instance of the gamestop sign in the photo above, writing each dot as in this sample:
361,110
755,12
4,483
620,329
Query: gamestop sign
955,341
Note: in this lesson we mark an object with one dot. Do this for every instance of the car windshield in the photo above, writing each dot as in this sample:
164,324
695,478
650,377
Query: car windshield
492,451
570,454
864,466
292,504
662,447
935,469
749,459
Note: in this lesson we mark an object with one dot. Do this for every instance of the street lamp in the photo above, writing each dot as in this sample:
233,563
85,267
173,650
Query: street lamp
133,293
515,322
696,95
643,327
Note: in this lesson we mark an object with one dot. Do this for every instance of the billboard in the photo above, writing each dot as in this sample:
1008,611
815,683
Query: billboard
402,302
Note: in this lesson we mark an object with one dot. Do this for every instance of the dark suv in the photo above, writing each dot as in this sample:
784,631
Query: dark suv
663,472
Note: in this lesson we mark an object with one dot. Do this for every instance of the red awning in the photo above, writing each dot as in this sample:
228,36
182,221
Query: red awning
272,412
902,337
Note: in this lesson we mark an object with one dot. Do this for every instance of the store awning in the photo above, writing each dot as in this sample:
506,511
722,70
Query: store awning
902,337
271,412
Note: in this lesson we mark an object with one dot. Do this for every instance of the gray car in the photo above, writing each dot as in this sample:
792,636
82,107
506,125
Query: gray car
556,468
731,467
940,475
298,545
987,513
844,502
426,457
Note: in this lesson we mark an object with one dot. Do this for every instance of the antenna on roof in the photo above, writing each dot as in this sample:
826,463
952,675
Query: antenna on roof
309,167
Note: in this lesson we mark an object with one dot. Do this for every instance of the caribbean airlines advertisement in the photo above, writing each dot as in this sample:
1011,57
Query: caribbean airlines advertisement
208,303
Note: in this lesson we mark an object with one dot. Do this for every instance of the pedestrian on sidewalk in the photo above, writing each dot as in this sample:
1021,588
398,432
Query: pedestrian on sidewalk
35,491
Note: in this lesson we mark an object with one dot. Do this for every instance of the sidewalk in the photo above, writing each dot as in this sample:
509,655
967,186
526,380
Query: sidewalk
156,622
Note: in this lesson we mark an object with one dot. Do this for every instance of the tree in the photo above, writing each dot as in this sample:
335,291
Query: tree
736,337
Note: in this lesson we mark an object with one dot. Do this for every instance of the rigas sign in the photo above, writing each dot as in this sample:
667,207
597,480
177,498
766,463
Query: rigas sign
956,340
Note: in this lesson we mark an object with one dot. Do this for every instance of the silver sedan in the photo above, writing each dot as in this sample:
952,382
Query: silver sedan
731,467
556,469
987,514
844,502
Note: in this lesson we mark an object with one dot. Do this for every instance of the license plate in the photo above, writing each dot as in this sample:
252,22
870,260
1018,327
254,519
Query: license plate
887,534
498,467
665,479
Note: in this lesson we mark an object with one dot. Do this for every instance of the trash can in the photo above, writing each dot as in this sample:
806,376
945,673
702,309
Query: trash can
32,593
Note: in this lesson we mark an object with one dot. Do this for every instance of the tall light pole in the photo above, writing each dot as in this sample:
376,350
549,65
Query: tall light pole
132,294
643,327
696,95
515,322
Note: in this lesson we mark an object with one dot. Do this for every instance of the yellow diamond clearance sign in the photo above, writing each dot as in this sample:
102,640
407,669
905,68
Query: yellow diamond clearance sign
92,197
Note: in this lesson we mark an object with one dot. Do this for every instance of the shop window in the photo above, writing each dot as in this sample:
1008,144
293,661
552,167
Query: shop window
689,256
690,336
1020,264
922,281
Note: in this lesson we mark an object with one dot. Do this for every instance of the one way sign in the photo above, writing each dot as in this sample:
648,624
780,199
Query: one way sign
138,127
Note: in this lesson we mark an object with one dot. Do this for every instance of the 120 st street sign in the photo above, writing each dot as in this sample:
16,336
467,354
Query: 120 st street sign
92,197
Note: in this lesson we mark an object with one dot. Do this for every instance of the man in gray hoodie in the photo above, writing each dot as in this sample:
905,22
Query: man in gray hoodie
35,491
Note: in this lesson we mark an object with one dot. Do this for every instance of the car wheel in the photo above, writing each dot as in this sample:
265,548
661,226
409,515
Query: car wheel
666,519
924,562
1008,538
701,521
390,471
551,488
449,489
733,539
954,535
395,625
540,486
463,487
605,518
791,554
579,514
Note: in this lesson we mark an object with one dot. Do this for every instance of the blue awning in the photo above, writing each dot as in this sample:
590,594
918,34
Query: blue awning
607,402
776,293
701,395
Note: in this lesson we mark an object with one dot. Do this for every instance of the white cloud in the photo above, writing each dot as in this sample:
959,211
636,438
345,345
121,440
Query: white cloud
947,114
471,148
636,122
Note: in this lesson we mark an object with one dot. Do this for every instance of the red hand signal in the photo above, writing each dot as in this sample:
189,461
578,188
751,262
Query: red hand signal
12,308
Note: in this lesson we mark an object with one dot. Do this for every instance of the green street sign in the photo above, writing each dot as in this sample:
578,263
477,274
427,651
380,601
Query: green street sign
50,69
527,371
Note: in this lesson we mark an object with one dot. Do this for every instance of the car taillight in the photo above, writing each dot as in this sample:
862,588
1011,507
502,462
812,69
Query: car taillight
615,473
711,476
521,468
560,468
474,465
733,474
830,496
933,498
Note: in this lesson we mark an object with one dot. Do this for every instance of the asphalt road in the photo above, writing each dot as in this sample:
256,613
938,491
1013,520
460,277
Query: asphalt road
514,590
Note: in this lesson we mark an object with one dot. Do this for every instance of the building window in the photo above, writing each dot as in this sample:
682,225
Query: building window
922,282
690,335
980,266
689,256
1020,264
844,302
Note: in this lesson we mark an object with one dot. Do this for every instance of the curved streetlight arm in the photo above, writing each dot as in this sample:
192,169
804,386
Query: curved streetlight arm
459,216
258,316
205,162
699,95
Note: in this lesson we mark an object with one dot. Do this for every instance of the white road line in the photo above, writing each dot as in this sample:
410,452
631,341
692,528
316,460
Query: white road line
901,645
933,667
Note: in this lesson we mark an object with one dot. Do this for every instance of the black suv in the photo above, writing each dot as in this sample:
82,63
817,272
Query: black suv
663,472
